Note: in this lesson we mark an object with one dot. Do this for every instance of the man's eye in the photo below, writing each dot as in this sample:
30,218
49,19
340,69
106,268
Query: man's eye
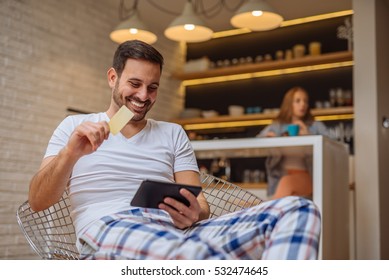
135,85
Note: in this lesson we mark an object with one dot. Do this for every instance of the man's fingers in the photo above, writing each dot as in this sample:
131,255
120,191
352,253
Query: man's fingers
183,216
179,219
96,133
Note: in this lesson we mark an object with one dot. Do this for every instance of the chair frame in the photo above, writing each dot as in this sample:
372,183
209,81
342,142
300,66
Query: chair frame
51,233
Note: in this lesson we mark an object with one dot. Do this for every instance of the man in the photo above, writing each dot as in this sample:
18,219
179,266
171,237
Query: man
103,172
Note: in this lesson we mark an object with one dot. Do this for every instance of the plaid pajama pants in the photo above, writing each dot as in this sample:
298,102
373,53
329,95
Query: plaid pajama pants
287,228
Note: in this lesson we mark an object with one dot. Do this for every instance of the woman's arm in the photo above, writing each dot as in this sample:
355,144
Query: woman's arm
271,130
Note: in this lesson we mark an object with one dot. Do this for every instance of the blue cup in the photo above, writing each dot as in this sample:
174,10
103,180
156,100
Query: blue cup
293,129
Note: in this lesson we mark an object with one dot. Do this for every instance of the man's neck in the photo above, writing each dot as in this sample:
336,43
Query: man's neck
133,128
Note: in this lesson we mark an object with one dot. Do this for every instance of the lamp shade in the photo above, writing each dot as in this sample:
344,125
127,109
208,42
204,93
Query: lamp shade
132,29
188,27
256,15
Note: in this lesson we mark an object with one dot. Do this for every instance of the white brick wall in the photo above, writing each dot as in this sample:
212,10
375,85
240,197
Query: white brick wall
53,55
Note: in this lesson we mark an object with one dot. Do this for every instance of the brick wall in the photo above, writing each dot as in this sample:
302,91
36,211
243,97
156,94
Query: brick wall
53,55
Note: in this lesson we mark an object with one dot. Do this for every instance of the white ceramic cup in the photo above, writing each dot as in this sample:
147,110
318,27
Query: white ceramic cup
235,110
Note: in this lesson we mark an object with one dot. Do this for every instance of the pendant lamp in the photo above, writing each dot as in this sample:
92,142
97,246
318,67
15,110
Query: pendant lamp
188,27
132,29
256,15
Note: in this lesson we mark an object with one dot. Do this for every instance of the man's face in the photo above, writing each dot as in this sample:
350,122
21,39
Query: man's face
137,87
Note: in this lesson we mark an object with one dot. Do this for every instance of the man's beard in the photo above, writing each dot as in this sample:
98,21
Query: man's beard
120,101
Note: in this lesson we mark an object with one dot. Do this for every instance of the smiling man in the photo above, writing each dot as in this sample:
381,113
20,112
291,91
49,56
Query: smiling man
102,171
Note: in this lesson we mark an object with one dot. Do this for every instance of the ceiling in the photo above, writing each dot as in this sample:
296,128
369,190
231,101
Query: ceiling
158,20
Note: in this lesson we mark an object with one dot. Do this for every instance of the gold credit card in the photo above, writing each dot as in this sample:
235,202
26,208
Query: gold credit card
120,119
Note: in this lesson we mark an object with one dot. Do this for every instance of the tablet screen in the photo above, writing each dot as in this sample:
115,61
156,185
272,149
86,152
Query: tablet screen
151,193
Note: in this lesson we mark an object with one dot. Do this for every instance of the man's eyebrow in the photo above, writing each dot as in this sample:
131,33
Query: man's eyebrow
141,81
134,79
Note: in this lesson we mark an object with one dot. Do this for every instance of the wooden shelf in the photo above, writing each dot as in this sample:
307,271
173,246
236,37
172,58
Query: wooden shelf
252,185
226,122
337,113
327,58
261,185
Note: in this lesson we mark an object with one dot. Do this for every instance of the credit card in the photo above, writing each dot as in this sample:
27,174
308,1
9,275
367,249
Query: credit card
120,119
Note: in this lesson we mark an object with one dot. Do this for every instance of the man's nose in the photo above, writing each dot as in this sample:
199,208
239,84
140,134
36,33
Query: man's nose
142,93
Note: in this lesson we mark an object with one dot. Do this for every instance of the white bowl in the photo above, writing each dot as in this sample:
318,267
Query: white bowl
209,113
235,110
190,113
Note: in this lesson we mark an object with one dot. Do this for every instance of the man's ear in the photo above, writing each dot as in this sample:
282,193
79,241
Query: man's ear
112,77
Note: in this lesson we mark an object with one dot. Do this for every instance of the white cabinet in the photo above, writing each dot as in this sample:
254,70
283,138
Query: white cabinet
330,178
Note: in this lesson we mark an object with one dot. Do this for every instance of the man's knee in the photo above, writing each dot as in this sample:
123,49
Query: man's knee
298,202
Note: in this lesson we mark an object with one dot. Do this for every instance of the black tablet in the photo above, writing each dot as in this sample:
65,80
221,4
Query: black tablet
151,193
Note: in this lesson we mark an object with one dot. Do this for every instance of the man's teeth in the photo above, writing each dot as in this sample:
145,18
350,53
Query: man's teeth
137,104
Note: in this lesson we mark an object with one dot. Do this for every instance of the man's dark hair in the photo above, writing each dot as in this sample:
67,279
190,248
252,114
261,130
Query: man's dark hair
137,50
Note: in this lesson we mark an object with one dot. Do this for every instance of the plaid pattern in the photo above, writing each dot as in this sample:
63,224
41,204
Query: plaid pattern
287,228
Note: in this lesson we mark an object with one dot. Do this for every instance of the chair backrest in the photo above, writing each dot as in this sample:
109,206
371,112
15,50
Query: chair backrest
52,235
224,197
50,232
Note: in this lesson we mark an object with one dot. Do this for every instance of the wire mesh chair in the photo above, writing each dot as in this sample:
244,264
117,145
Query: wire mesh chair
224,197
49,232
52,235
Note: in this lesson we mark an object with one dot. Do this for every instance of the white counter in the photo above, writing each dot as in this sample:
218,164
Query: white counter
330,178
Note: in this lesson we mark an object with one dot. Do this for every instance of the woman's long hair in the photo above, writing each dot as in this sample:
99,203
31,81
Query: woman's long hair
286,110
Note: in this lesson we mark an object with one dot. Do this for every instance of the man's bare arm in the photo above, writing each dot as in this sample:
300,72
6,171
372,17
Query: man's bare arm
193,178
49,184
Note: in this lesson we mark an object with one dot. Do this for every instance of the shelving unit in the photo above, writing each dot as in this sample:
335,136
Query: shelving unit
337,113
326,61
262,186
307,63
263,84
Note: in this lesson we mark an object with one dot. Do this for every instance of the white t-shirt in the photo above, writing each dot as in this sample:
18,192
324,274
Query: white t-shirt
105,181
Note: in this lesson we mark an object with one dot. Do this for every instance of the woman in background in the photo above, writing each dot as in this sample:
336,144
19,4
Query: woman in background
291,175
